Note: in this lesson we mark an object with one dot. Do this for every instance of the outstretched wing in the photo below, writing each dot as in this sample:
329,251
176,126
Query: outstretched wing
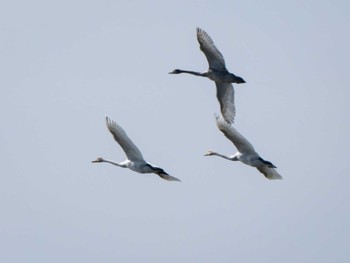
130,149
269,173
241,143
214,57
226,96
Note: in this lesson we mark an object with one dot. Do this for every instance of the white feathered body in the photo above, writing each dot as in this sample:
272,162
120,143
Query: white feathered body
135,160
246,152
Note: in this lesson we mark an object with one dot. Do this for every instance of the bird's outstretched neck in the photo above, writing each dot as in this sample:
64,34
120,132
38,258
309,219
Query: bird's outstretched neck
179,71
211,153
101,160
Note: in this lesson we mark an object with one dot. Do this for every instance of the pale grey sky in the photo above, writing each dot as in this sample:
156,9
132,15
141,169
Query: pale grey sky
65,65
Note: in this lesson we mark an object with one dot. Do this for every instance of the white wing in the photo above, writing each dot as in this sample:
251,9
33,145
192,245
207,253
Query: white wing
241,143
269,173
214,57
226,96
130,149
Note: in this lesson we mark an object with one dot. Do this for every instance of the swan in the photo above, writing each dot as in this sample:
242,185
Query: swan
217,72
246,152
134,159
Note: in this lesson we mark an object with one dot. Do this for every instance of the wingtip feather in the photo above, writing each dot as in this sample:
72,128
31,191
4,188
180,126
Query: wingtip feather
270,173
168,177
107,118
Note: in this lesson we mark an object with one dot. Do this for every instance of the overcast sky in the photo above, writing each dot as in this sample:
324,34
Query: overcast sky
65,65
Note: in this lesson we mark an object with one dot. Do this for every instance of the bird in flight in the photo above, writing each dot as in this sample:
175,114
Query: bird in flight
246,152
134,159
217,72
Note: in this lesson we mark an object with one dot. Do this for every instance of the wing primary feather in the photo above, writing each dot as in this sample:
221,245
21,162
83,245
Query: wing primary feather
120,136
241,143
225,94
214,57
269,173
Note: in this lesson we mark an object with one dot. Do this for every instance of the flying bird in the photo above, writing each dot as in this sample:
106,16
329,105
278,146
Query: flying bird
134,159
217,72
246,152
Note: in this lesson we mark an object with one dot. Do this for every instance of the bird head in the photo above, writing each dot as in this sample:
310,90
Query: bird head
98,160
175,71
209,153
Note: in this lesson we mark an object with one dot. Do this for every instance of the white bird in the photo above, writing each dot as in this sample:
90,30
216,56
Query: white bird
217,72
134,159
246,152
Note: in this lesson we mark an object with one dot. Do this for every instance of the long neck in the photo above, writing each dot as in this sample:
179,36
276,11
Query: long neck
231,158
193,73
114,163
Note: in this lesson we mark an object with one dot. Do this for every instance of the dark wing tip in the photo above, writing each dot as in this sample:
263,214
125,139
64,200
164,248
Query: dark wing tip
108,120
